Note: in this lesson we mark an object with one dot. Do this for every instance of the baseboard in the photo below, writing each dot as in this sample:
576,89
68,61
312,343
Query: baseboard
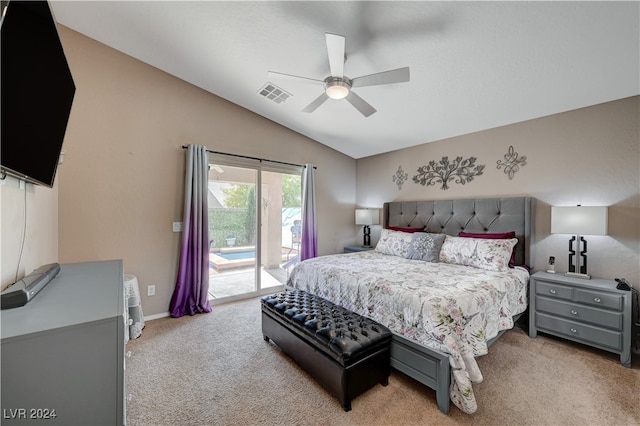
156,316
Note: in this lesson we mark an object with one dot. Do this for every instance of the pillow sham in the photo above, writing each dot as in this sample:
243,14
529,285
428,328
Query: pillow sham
394,243
493,236
425,246
482,253
396,228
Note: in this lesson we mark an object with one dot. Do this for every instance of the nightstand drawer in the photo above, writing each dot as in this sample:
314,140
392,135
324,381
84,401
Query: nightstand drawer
579,332
613,301
595,316
593,312
554,290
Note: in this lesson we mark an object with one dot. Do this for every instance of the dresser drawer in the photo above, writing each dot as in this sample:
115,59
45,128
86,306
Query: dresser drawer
601,317
606,300
554,290
579,332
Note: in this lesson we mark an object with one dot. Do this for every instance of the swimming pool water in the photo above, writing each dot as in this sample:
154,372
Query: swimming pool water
241,255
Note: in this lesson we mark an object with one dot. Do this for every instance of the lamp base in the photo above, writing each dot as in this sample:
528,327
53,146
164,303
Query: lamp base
366,241
576,275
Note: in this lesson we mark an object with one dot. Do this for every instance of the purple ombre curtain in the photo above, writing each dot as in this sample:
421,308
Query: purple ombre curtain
309,238
191,295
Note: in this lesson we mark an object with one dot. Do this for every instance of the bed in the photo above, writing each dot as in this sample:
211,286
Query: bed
443,312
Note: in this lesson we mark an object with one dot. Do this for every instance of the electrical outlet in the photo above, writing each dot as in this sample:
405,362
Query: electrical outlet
177,226
151,290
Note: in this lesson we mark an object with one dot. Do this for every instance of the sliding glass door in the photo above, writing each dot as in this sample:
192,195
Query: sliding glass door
232,231
281,225
254,216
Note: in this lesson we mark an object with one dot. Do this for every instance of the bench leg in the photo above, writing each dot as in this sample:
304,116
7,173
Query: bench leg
347,406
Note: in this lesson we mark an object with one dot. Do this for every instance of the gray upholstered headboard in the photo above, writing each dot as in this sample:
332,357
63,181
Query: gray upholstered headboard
474,215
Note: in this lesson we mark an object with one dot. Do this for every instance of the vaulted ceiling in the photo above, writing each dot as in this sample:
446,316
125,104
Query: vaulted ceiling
473,65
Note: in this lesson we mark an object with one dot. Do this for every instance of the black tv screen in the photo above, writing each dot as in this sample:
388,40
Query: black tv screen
37,91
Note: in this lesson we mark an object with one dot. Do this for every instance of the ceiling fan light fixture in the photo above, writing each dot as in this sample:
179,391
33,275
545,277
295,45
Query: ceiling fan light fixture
337,89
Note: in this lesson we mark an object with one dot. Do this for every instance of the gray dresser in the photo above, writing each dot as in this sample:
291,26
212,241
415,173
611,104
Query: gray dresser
63,352
592,312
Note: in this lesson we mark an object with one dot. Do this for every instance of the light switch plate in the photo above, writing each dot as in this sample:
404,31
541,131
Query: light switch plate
177,226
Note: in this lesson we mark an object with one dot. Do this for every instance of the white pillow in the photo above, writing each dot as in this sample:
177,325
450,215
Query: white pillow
395,243
489,254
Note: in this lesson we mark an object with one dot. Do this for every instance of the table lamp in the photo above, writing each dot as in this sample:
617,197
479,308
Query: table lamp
579,221
367,217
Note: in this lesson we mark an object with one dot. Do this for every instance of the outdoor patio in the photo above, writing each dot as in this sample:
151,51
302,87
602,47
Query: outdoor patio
242,281
232,277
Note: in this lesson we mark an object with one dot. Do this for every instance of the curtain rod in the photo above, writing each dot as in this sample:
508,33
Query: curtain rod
252,158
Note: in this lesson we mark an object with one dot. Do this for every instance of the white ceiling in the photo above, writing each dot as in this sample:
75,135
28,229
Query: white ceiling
474,65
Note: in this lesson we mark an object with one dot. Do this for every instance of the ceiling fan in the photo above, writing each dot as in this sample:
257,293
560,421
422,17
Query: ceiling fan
338,86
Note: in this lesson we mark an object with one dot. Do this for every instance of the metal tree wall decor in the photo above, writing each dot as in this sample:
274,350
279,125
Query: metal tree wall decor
511,162
400,177
459,171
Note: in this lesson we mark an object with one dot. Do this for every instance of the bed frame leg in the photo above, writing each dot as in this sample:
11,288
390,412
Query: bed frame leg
442,391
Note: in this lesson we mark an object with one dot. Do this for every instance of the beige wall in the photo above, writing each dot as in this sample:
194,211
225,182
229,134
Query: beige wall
589,156
121,185
40,234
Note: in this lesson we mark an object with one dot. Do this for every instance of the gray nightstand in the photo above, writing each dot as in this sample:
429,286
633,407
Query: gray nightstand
592,312
352,249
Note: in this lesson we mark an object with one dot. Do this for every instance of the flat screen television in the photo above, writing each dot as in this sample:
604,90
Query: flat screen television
37,92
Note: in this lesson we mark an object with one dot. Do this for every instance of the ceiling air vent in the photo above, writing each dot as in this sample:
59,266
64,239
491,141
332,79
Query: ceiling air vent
273,92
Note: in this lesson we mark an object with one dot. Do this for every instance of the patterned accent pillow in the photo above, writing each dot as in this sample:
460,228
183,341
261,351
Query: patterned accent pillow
426,246
395,243
489,254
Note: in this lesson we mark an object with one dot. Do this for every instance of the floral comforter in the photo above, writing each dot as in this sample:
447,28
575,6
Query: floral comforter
450,308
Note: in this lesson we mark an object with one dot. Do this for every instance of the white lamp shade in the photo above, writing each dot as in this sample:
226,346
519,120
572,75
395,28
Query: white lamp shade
579,220
367,216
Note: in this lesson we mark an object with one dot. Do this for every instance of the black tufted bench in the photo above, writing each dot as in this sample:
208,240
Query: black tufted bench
345,352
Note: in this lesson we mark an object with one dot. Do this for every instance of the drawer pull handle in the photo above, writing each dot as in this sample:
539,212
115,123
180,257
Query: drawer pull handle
574,312
596,299
573,330
552,291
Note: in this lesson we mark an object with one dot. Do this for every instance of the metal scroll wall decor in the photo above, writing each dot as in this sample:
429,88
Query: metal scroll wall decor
511,162
400,177
458,171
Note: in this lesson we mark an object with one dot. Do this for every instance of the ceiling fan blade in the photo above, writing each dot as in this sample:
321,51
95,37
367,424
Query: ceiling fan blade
360,104
335,49
316,103
273,74
399,75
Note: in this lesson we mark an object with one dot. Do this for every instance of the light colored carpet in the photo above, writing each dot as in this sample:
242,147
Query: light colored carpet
216,369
